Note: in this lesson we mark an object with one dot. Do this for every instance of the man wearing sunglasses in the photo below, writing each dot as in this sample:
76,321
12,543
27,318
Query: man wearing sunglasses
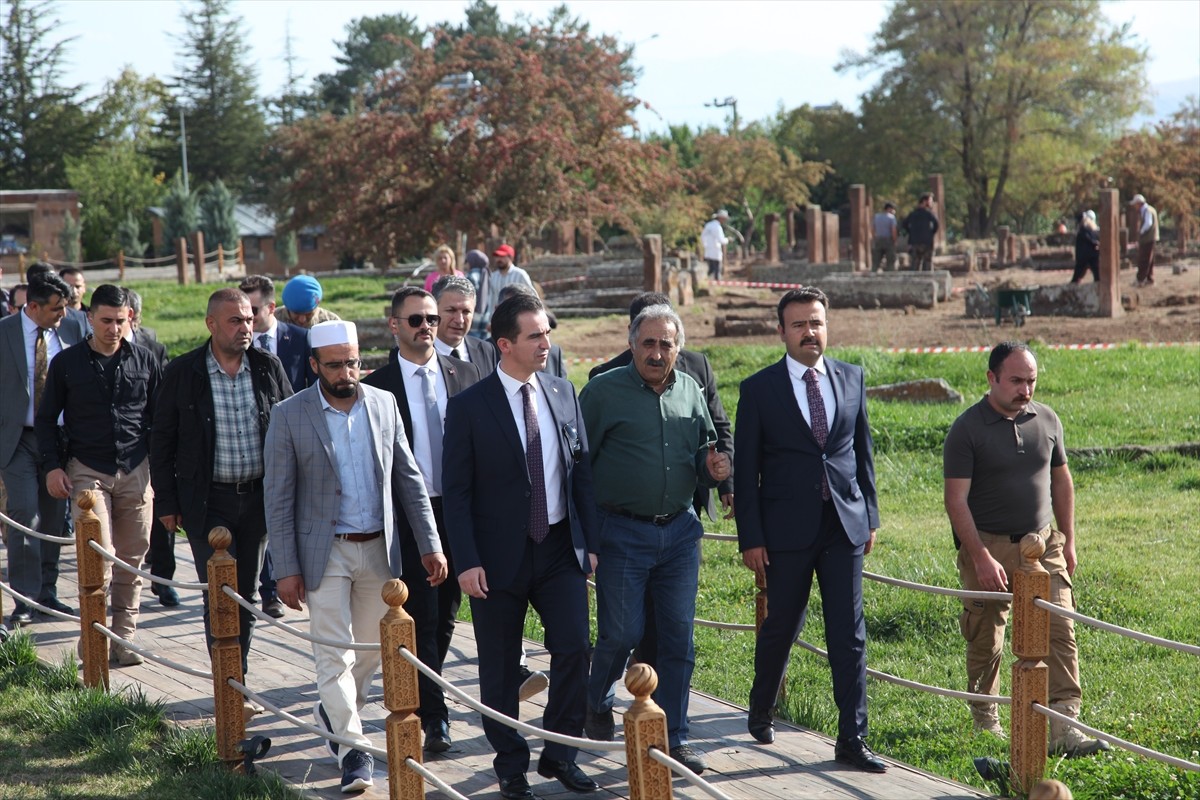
422,380
338,473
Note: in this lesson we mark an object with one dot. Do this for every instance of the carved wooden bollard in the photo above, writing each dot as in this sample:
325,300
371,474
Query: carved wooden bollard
93,604
1030,675
224,625
645,727
397,630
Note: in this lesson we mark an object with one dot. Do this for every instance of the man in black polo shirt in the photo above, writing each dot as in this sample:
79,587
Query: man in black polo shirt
102,387
1006,475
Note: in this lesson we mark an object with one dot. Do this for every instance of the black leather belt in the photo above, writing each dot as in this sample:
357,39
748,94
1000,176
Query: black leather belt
241,487
657,519
358,537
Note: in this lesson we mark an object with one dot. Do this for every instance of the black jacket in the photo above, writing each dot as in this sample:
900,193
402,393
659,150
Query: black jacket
181,448
920,226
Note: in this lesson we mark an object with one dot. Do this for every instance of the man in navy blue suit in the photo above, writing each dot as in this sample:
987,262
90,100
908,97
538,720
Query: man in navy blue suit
805,485
520,517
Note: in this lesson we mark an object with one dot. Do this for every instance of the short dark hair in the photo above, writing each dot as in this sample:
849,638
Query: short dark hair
259,283
39,268
405,292
514,289
888,207
45,285
108,294
647,299
506,322
926,196
805,294
226,295
1003,350
66,272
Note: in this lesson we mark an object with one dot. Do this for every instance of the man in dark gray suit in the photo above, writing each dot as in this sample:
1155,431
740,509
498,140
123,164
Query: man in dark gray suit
455,296
29,341
338,472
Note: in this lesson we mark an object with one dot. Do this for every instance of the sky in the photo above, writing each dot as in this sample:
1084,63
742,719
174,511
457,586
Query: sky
691,52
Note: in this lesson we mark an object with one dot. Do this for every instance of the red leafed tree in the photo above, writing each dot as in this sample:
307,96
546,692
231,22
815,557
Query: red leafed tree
540,134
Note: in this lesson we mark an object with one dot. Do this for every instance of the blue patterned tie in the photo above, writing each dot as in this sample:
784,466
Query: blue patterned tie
819,423
539,518
433,419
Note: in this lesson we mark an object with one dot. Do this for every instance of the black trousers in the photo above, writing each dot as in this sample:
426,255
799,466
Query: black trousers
161,555
550,580
243,515
837,563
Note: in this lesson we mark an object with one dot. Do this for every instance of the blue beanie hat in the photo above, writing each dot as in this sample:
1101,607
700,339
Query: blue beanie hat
302,294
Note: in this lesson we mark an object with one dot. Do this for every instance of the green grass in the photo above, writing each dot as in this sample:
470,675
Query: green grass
61,740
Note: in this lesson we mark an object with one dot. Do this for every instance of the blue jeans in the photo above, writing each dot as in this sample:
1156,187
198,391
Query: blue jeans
634,555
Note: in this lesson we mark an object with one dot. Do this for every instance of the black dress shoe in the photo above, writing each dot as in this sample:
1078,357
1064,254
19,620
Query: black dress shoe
21,615
516,788
568,774
57,605
760,727
437,736
165,594
856,753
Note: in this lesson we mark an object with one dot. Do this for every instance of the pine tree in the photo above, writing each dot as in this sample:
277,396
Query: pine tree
217,218
179,214
68,237
129,236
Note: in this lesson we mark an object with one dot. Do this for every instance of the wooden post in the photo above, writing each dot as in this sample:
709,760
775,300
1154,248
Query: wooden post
120,266
814,221
652,263
833,238
645,727
93,604
397,630
181,260
860,254
790,216
199,262
1110,253
21,270
1002,236
938,187
771,232
241,258
1030,675
220,259
226,653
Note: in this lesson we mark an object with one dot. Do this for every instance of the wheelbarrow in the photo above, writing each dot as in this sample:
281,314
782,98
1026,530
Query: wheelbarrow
1018,303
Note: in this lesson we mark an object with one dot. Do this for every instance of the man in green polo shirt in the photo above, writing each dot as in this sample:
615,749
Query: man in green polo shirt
652,441
1005,467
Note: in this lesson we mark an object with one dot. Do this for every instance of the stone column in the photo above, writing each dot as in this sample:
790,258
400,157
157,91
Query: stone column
1109,220
814,221
652,263
860,253
938,187
833,233
771,233
790,216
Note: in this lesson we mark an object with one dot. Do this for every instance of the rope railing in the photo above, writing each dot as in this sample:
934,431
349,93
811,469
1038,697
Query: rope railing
1117,629
308,637
25,529
1119,742
78,264
722,626
344,741
139,261
150,654
4,587
720,537
683,772
433,780
117,562
516,724
964,594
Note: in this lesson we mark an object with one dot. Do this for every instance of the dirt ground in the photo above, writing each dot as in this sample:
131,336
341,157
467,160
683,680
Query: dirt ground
1168,311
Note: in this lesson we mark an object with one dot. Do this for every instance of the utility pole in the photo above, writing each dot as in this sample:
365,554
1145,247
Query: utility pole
183,146
730,102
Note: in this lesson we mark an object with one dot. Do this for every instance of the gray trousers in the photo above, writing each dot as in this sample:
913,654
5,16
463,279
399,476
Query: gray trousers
32,563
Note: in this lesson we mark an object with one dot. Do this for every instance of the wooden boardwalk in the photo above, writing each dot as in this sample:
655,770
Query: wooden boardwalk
799,765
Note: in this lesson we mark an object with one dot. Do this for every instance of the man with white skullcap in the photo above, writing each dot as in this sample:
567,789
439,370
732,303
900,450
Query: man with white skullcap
338,465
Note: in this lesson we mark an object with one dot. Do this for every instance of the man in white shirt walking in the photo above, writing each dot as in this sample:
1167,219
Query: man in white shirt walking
713,240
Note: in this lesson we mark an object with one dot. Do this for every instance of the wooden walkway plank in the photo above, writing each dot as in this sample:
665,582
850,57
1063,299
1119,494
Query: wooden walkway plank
799,765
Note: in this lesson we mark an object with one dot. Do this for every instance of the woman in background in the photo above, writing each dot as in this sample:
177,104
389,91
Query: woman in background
1087,247
443,259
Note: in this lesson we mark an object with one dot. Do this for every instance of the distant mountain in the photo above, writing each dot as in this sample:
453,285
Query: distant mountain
1168,98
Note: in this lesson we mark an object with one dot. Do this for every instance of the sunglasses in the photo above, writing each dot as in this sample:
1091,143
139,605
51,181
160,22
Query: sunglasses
415,320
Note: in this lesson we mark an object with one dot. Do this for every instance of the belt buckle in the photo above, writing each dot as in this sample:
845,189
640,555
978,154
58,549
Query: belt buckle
661,519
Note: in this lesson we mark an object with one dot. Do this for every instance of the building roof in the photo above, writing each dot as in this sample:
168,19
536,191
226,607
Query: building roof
254,221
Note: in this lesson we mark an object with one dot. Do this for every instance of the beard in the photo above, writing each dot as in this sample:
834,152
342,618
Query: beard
341,390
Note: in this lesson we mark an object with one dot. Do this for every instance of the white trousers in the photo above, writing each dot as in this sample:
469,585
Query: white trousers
348,605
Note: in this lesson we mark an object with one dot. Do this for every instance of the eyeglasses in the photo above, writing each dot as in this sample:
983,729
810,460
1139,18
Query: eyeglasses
415,320
337,366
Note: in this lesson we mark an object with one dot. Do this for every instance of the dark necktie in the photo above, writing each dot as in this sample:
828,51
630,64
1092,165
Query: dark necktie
41,362
539,519
264,342
433,422
454,353
818,422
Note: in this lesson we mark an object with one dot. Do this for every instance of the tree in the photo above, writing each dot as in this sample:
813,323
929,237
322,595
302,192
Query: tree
285,247
68,237
539,138
987,79
373,45
113,181
129,236
216,90
180,218
131,109
41,120
218,220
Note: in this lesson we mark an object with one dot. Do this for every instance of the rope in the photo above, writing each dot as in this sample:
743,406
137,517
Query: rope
166,662
720,537
434,780
1002,700
308,637
143,261
45,537
922,587
1108,737
525,728
1108,626
202,587
345,741
685,773
49,611
79,264
722,626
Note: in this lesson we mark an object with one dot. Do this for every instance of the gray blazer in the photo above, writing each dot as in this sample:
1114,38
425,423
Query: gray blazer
302,490
14,379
